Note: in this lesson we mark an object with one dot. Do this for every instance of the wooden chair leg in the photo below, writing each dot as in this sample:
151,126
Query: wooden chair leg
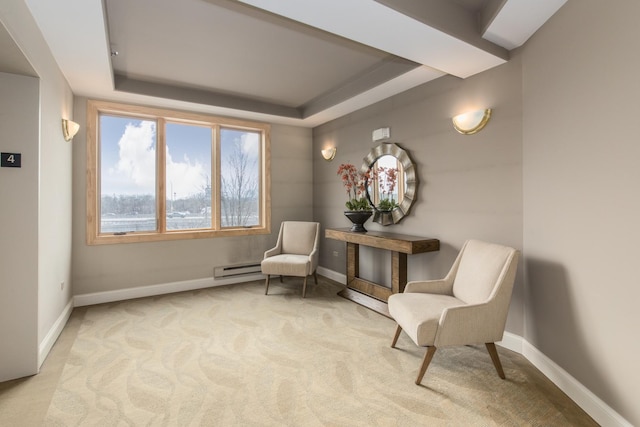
281,276
425,363
266,285
493,352
304,287
396,336
315,276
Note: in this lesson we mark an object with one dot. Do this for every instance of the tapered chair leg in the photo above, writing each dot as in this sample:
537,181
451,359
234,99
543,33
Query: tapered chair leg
493,352
281,276
304,287
315,276
266,285
425,363
396,336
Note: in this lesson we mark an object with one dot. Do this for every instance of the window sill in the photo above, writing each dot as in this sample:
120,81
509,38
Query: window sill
141,237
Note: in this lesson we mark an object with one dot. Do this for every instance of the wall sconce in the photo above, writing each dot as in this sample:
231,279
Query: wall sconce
69,129
329,153
471,122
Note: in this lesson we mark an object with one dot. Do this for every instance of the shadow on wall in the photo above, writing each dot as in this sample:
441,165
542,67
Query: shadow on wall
432,265
552,325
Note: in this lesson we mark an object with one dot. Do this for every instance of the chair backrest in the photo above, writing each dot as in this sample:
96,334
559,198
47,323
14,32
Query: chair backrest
483,266
298,237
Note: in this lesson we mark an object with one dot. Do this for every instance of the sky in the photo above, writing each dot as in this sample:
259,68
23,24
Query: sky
128,155
188,159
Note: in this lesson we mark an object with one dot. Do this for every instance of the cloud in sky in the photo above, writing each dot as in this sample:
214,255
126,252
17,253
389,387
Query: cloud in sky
186,177
134,171
137,158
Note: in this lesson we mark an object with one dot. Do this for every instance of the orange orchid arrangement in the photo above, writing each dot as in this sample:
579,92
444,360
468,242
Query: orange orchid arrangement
354,183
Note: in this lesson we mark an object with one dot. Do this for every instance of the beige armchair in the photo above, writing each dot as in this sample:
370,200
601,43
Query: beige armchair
295,253
469,306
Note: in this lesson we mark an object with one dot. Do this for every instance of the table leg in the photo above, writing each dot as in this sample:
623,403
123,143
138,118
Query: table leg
398,272
353,262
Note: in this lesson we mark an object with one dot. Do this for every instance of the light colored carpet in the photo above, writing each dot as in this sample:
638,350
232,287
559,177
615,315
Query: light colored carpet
231,356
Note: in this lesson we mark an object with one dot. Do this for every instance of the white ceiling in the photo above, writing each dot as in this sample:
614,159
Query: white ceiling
300,62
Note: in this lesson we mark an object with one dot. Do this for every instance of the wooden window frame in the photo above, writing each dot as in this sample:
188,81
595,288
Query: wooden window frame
162,116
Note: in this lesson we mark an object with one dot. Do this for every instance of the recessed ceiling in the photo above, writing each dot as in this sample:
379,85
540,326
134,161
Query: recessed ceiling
237,52
300,62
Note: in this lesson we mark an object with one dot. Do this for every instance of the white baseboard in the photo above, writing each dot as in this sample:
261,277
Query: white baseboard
160,289
589,402
50,339
511,342
602,413
333,275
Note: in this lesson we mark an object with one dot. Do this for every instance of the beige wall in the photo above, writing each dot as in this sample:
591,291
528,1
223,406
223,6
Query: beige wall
469,186
19,228
54,229
581,203
113,267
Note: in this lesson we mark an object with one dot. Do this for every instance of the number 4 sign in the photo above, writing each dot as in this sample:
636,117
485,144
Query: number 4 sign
10,160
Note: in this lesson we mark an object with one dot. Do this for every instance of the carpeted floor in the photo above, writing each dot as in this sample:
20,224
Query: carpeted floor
231,356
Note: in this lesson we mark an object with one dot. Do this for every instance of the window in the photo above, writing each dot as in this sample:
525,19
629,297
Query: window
156,174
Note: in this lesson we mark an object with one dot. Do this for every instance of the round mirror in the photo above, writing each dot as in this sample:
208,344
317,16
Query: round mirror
392,182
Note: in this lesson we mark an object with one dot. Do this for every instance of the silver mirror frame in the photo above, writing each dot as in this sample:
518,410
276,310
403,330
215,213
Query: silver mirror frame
411,180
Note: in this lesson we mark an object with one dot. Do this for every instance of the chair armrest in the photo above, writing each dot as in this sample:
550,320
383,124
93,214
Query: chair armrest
313,257
442,286
470,324
271,252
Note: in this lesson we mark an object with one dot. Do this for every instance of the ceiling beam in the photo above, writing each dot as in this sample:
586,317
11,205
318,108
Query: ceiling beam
376,25
514,21
199,96
382,72
450,18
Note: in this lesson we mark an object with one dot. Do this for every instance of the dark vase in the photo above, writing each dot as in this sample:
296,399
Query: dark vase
383,217
358,218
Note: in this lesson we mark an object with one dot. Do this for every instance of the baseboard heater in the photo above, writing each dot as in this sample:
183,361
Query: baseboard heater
236,270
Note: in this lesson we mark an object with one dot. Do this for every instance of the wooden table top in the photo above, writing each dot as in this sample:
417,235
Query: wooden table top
384,240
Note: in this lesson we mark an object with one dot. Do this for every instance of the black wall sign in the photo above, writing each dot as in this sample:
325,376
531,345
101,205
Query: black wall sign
10,160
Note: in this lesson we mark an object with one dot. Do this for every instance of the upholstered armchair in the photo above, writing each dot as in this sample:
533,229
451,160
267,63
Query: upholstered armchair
295,253
469,306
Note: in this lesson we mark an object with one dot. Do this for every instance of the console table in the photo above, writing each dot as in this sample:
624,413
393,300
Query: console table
364,292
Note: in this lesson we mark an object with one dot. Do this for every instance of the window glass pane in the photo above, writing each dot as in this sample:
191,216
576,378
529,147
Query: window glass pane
239,178
127,174
188,172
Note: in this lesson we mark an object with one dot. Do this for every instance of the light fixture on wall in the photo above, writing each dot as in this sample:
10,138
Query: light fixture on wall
329,153
69,129
472,121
